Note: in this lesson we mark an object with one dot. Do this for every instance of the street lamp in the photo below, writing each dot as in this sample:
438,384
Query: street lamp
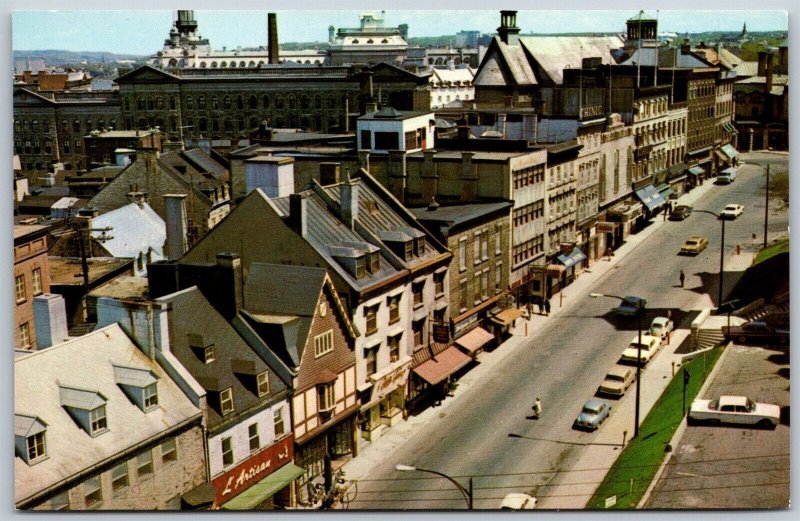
640,305
721,250
464,492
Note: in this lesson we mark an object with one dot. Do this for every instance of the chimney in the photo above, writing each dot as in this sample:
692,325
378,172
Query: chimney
329,173
177,228
137,197
363,159
686,47
273,174
50,319
768,72
349,202
229,299
508,30
298,213
462,132
272,36
368,92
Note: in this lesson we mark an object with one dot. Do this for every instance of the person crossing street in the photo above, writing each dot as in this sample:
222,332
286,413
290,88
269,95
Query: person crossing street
682,277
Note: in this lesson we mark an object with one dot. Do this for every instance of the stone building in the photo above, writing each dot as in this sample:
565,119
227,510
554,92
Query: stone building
49,127
371,42
98,425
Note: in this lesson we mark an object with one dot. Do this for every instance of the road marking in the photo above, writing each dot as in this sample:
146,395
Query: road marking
689,474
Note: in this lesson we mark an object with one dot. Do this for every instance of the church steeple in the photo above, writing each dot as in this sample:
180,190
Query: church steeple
744,30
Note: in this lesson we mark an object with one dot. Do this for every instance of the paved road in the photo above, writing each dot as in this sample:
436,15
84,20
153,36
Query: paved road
563,361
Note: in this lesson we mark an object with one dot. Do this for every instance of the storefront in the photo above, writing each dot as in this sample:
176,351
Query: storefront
696,175
262,482
651,199
573,264
474,341
385,400
626,214
503,322
336,441
432,370
726,156
703,157
606,237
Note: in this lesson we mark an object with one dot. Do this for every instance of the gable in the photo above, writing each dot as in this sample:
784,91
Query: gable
147,74
384,72
491,72
24,97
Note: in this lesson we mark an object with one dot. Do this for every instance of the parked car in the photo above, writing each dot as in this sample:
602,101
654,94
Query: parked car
727,176
735,409
518,501
630,306
650,345
731,211
660,326
617,381
680,212
756,331
593,413
694,244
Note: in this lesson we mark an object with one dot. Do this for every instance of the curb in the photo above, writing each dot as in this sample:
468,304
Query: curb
680,430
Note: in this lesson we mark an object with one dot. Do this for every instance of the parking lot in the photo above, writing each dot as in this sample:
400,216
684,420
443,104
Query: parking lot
729,466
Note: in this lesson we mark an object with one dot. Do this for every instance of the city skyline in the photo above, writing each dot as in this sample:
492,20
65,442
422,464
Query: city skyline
241,28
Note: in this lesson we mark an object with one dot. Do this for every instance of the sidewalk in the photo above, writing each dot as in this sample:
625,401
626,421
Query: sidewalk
373,454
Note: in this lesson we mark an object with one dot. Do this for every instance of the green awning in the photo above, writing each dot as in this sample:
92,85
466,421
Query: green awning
696,170
729,151
730,128
264,489
664,190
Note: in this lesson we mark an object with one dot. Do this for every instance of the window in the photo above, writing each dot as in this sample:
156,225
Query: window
262,381
485,245
97,420
208,354
394,309
387,140
417,291
462,294
326,397
498,276
498,236
277,420
169,451
361,267
394,347
214,103
476,247
59,502
323,343
438,283
371,357
92,491
408,250
144,463
150,397
419,246
374,262
201,102
25,335
227,452
485,284
119,476
252,433
19,287
462,253
371,314
36,447
226,401
418,328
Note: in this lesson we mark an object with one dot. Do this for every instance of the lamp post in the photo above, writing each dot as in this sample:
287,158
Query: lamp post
464,492
721,250
640,307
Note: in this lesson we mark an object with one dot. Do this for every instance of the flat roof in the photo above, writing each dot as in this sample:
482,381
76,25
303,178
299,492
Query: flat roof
123,287
68,270
21,230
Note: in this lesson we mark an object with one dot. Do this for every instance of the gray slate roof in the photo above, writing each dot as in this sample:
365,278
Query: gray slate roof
87,363
665,57
556,53
459,214
284,290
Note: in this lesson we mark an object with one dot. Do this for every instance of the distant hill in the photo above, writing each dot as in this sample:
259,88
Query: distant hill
55,57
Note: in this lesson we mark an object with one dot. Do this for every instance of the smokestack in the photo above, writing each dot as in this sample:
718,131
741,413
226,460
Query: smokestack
50,319
331,37
272,35
230,284
177,229
298,213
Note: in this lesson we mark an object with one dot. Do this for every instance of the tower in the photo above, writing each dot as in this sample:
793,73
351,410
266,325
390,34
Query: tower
642,31
186,23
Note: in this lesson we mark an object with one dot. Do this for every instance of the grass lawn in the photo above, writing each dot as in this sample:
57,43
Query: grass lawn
633,471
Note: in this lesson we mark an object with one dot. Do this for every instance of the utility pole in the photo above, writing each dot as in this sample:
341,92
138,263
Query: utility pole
766,208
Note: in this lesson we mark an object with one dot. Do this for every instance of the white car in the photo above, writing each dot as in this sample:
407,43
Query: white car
731,211
518,501
735,409
650,345
661,326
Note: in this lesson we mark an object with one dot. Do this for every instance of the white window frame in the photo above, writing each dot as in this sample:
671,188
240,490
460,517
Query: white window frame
462,253
98,423
171,451
36,280
277,422
323,343
226,401
19,287
150,393
262,383
117,477
147,464
93,487
37,447
326,397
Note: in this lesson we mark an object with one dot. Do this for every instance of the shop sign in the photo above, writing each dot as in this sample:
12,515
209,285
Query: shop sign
391,381
253,470
465,324
603,227
441,333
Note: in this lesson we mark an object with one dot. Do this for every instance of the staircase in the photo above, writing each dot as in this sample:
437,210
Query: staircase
707,338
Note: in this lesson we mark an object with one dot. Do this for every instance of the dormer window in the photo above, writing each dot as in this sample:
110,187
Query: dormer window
29,438
409,250
202,348
419,246
139,385
361,267
374,262
208,354
262,381
87,408
226,401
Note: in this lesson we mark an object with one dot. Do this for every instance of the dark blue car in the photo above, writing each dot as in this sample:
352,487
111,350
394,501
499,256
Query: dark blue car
630,306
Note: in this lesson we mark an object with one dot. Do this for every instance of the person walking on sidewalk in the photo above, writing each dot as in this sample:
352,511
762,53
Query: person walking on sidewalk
682,277
546,307
537,408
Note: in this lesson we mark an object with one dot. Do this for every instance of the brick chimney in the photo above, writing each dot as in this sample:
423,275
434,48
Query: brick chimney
272,36
349,205
298,213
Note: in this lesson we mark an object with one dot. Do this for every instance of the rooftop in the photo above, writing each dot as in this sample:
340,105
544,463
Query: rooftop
123,287
68,271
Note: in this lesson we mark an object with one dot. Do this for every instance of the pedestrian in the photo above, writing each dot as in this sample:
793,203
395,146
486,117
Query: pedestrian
547,307
537,408
683,278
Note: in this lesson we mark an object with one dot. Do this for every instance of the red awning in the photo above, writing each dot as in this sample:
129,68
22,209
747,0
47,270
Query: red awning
475,339
446,363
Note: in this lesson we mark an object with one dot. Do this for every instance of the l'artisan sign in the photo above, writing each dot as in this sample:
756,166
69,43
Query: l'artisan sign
253,470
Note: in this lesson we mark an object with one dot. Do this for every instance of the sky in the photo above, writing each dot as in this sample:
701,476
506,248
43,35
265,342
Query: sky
142,32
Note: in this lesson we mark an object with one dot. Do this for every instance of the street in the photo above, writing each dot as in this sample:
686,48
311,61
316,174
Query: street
563,361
